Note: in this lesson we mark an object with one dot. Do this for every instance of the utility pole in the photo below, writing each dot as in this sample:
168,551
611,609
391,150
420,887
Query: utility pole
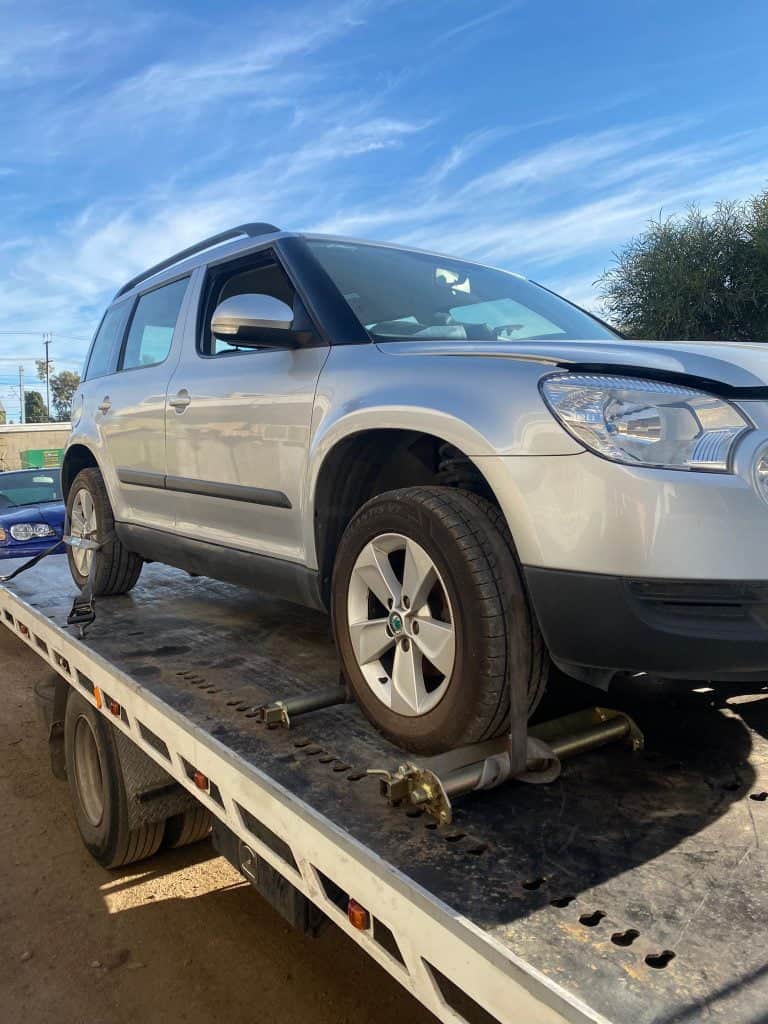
47,339
22,415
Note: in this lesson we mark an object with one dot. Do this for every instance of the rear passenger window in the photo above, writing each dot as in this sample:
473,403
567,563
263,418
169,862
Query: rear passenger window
152,325
107,342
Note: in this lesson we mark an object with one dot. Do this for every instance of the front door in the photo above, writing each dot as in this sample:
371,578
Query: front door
238,424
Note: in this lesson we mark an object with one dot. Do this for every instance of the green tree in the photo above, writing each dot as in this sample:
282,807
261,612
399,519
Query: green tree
700,276
63,387
34,407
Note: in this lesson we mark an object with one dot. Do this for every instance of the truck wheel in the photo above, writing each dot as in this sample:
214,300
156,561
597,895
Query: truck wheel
89,514
431,618
189,827
98,792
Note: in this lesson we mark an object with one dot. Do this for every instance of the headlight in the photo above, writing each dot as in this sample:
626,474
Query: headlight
645,422
30,531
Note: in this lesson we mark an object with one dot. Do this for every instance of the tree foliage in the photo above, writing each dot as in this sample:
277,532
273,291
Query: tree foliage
701,276
64,384
34,407
40,367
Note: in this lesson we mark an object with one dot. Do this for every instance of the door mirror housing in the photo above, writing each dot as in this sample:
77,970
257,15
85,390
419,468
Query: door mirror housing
255,321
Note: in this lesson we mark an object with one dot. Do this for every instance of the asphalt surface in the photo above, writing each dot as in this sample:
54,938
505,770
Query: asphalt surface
179,937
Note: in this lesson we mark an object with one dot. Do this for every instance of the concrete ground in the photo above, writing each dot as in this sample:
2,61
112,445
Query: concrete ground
179,937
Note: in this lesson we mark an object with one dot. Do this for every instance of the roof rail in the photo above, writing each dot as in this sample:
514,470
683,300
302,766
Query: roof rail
252,230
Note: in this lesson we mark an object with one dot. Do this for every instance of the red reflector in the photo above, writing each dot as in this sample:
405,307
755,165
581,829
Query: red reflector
114,707
358,916
200,780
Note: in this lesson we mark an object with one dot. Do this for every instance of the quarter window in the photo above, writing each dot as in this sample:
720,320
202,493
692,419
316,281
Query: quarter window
152,326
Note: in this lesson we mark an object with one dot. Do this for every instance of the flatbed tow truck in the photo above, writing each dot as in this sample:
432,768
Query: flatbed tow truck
630,889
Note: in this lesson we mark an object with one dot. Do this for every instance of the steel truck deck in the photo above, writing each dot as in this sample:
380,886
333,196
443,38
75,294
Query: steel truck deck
634,888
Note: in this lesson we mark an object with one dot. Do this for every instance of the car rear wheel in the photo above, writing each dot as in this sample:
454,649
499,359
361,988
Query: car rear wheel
431,618
89,515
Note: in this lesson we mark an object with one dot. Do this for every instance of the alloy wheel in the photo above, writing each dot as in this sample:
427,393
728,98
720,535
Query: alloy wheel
83,524
401,624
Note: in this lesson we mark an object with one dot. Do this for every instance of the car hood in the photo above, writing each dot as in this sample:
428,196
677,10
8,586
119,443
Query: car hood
724,366
51,513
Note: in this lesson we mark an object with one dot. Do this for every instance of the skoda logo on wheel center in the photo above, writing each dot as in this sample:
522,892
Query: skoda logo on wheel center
396,623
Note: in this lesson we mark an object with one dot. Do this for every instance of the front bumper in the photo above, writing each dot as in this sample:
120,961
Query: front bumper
595,625
22,550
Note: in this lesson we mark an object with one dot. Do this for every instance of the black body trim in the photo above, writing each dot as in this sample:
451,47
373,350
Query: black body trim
686,629
233,492
141,478
206,488
274,576
325,304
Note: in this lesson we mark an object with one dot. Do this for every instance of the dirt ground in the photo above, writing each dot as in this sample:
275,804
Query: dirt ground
179,937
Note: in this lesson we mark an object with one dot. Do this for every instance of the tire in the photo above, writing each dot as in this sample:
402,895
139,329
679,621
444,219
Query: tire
189,827
98,792
478,592
117,569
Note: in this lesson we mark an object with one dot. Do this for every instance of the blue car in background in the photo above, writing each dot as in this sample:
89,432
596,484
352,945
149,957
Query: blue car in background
31,512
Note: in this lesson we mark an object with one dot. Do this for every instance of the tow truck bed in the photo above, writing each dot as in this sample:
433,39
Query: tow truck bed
632,889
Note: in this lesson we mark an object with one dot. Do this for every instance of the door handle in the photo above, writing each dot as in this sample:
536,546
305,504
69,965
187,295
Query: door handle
180,401
105,405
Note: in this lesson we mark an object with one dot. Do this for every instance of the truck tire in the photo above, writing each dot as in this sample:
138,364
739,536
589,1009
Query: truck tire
189,827
89,513
432,670
97,790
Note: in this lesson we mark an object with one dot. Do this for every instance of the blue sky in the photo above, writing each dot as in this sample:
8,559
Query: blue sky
538,136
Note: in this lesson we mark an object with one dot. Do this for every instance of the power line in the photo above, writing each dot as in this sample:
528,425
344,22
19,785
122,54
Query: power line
36,334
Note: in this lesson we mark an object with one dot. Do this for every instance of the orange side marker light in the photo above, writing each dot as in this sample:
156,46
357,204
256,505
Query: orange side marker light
358,916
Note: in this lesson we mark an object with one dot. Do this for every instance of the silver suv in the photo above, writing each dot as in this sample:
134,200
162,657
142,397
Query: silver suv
473,475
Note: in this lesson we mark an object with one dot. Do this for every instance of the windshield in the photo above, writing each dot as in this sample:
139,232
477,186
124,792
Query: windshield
29,487
398,294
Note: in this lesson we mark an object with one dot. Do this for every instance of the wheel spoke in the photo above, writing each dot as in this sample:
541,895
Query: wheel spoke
408,690
370,639
435,639
377,574
77,523
419,575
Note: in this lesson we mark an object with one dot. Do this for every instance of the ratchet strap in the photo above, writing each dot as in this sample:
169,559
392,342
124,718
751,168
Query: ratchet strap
30,562
83,611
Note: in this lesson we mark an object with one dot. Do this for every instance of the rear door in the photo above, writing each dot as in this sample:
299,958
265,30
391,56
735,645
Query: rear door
238,423
129,405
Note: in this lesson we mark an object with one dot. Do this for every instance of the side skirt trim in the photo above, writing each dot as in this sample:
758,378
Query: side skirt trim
275,576
206,488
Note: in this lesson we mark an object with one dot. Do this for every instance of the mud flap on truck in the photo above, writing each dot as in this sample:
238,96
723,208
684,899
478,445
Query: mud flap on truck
283,897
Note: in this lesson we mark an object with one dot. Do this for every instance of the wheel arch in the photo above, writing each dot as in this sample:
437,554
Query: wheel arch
77,457
370,461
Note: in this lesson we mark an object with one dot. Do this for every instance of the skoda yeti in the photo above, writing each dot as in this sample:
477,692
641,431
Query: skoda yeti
474,476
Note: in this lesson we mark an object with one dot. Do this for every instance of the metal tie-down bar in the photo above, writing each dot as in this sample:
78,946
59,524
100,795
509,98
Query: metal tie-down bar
280,712
433,782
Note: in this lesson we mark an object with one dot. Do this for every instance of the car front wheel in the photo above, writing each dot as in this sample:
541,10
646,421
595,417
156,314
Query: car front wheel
431,618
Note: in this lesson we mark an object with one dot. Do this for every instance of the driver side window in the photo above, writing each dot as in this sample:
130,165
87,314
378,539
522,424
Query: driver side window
265,278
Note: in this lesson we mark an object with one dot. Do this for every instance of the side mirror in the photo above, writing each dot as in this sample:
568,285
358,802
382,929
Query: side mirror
255,321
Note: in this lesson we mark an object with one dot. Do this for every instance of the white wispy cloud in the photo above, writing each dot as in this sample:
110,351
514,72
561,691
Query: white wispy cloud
303,142
465,27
